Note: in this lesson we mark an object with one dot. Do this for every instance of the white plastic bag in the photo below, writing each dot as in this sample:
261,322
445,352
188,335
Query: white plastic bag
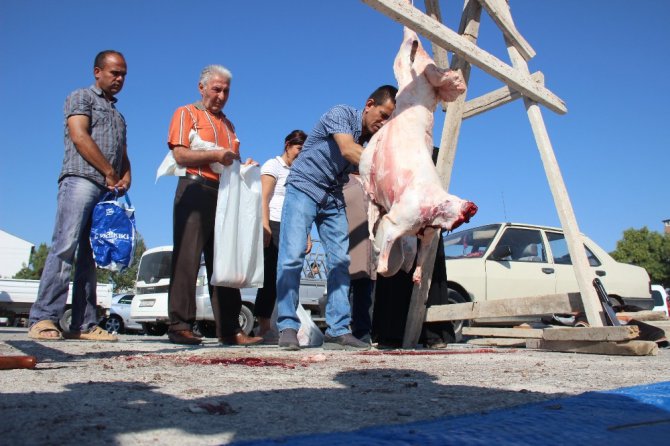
170,167
238,229
309,334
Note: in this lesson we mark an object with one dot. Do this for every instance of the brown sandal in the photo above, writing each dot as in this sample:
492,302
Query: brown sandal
39,329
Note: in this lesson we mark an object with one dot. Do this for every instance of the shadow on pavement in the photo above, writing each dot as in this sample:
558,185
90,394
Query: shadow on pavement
48,351
117,412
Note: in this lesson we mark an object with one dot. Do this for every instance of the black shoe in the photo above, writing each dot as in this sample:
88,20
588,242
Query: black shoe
288,340
344,342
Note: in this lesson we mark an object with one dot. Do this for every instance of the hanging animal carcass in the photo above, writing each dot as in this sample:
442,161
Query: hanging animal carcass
407,197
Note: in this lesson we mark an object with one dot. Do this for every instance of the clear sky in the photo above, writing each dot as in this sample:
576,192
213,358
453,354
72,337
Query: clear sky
291,60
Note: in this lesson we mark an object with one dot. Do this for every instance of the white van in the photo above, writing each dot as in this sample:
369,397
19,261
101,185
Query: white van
150,305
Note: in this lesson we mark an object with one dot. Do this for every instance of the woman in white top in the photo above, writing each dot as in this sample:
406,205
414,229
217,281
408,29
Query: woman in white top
273,180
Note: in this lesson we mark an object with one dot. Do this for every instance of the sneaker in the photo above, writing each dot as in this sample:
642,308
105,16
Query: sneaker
344,342
94,334
288,340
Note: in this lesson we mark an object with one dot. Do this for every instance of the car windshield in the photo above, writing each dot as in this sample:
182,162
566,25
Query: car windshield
154,267
471,243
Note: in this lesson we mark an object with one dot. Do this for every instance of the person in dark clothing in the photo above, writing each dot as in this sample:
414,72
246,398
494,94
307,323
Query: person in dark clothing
391,304
392,300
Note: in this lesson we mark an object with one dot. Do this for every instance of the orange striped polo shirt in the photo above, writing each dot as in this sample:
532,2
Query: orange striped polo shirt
213,128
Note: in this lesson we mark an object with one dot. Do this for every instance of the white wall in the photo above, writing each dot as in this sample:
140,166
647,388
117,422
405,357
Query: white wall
14,254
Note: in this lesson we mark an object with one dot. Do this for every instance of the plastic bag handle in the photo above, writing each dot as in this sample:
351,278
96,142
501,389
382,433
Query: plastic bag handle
109,196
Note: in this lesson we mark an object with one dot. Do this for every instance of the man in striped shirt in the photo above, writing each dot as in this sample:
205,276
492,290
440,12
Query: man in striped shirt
195,211
314,195
95,162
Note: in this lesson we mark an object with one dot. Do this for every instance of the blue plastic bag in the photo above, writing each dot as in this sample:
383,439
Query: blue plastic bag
113,232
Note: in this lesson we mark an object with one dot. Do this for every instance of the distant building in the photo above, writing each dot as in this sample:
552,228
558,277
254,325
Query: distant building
14,254
666,224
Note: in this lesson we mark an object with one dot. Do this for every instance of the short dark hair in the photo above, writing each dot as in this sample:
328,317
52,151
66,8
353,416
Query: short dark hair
295,137
383,94
99,61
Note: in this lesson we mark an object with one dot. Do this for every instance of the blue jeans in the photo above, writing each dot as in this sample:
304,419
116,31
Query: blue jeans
298,214
76,199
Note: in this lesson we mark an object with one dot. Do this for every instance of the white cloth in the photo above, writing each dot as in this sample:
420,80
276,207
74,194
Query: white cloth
170,167
279,170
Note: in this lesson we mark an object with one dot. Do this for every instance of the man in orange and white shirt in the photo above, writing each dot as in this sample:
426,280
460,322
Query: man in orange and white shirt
195,211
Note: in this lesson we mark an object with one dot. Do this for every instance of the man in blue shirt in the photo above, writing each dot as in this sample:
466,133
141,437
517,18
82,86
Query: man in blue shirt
314,195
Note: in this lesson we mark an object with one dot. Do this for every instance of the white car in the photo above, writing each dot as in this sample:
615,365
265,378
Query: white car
661,299
511,260
153,279
118,320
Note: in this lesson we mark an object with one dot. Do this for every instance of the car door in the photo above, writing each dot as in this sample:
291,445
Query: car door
518,267
566,281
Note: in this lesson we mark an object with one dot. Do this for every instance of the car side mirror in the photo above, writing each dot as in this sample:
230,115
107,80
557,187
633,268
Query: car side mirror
501,252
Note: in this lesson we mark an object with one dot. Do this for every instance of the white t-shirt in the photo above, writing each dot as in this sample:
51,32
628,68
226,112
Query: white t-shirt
279,170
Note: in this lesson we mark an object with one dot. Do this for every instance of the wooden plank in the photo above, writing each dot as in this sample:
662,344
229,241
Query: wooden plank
439,53
503,332
628,348
524,306
416,20
496,9
622,333
495,99
498,342
645,316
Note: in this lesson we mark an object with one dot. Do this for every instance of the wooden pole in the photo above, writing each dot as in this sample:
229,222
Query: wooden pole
580,264
417,305
470,26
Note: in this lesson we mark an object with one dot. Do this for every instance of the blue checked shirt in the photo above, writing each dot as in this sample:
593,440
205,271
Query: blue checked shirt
107,128
321,170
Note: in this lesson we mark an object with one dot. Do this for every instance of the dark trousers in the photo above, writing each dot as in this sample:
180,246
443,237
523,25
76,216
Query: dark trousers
267,296
392,299
361,301
193,237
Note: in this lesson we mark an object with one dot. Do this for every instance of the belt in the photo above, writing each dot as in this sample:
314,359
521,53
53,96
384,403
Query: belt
202,180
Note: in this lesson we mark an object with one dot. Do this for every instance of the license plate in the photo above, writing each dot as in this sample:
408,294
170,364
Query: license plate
147,302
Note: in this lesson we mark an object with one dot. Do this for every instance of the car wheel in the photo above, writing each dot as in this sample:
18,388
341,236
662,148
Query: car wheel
155,329
246,319
65,321
206,329
114,324
454,297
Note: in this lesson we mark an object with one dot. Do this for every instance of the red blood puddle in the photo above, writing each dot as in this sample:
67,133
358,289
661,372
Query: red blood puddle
432,352
249,362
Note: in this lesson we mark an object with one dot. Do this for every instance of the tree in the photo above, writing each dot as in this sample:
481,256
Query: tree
648,249
33,270
122,281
